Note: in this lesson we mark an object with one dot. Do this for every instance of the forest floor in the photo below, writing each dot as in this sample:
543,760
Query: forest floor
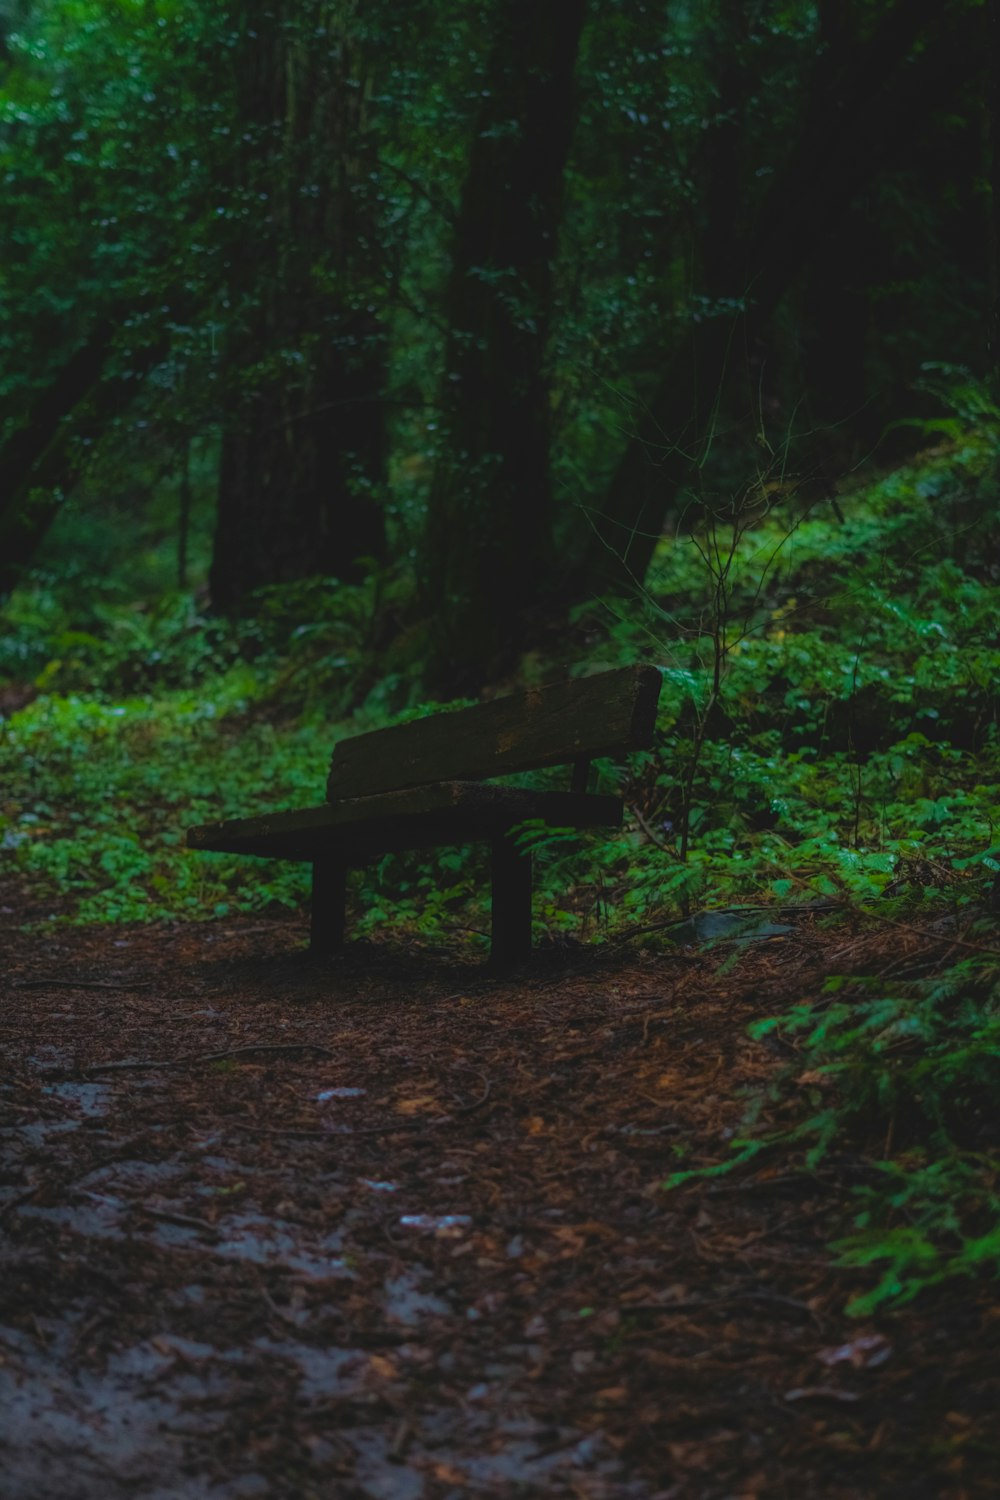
386,1226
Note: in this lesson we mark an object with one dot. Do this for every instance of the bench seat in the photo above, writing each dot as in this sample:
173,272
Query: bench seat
458,812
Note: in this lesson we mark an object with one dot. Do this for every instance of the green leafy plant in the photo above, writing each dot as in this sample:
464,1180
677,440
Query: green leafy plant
905,1076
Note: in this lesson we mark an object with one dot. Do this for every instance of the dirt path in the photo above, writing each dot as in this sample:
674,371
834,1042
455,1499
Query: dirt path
386,1227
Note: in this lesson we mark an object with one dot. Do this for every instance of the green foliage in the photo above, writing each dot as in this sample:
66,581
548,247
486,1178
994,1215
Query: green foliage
835,731
910,1070
828,725
827,728
112,648
97,795
138,165
107,195
903,1076
926,1221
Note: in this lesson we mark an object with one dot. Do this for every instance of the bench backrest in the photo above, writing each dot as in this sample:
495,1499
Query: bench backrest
588,716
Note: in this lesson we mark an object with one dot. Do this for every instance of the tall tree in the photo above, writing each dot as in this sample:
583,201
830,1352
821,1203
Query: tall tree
863,95
303,448
488,549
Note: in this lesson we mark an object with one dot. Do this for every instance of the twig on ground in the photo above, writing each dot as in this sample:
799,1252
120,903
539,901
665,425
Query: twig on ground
253,1047
654,838
626,937
81,984
129,1064
167,1214
693,1304
13,1204
321,1133
187,1221
401,1440
949,942
467,1109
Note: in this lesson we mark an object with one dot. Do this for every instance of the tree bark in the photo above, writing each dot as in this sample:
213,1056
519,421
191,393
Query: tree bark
303,455
835,344
488,549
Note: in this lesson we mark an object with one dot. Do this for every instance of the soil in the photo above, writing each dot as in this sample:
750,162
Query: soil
387,1226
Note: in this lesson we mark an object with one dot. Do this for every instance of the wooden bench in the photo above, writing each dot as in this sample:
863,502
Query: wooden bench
427,783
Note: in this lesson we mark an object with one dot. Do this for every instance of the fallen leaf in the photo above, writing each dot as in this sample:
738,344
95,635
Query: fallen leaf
448,1474
417,1104
612,1395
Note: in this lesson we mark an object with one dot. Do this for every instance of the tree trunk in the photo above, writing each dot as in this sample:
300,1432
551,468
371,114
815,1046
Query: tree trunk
488,550
836,341
44,457
860,99
303,455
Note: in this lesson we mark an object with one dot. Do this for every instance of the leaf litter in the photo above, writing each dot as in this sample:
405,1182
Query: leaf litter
352,1237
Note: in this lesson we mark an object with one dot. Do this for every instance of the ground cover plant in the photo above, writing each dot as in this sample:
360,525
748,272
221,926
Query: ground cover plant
827,742
827,731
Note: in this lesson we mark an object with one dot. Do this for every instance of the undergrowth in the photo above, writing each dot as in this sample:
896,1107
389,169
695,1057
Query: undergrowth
827,738
827,730
901,1076
852,668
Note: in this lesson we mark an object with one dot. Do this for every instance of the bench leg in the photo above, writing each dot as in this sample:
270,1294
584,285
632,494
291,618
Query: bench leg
511,903
329,898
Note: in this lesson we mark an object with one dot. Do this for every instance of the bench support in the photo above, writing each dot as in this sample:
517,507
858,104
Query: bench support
511,870
329,904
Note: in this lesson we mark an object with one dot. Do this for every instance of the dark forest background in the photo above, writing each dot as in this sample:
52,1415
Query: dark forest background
481,299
